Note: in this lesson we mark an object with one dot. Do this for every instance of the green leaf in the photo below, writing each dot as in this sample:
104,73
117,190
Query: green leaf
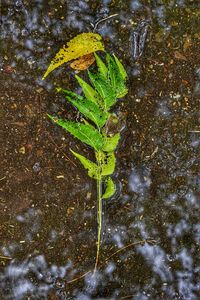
88,108
112,68
120,67
110,143
85,133
116,79
103,71
110,188
104,89
90,166
89,92
107,162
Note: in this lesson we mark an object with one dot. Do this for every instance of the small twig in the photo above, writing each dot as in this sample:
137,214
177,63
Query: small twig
150,241
195,131
61,150
125,247
5,257
154,152
127,297
77,278
102,20
3,178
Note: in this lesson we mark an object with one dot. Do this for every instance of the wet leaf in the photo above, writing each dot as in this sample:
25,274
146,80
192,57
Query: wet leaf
111,143
107,161
82,44
90,166
121,68
116,78
83,63
108,164
104,89
85,133
110,188
103,71
88,108
89,92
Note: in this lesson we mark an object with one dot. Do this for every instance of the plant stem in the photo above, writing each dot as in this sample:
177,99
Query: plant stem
99,209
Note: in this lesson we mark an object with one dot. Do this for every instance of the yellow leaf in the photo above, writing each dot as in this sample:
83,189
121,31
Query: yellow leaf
82,44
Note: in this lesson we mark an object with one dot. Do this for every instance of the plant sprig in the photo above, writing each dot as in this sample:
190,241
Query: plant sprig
108,85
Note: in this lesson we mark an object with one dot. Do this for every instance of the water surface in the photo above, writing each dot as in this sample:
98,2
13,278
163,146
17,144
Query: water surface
48,204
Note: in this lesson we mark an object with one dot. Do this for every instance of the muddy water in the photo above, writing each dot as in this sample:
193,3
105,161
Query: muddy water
151,242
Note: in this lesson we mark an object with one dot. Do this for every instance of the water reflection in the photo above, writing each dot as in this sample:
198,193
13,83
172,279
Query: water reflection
31,277
48,226
139,180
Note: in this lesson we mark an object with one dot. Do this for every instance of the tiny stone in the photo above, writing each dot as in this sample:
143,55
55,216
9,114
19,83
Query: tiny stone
36,167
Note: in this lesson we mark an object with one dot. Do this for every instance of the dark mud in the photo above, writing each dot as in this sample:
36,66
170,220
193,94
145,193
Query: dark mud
48,205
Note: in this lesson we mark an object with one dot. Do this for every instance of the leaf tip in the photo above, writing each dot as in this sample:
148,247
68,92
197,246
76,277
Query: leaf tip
51,117
71,151
45,74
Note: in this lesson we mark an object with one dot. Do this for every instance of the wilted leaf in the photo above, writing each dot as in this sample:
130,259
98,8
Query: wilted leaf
88,108
110,188
111,143
91,167
83,63
86,133
82,44
179,55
